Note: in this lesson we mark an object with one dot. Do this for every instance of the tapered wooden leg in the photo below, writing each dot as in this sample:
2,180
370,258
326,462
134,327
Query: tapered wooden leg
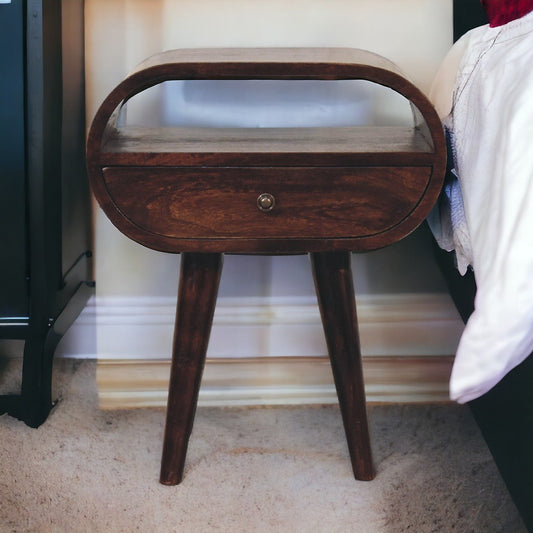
334,286
197,294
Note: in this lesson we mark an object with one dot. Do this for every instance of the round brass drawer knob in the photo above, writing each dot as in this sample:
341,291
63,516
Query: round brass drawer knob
266,202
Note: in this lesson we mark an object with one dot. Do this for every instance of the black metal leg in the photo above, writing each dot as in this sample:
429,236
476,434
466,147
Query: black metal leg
34,402
36,392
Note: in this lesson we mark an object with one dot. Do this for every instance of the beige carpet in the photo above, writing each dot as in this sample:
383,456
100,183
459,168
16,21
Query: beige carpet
248,470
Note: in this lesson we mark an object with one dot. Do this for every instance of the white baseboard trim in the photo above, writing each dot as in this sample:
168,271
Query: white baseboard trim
268,351
274,381
142,328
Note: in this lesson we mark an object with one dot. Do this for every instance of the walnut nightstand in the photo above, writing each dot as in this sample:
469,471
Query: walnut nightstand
324,191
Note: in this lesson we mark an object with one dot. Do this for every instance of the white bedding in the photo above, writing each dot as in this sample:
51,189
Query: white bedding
484,93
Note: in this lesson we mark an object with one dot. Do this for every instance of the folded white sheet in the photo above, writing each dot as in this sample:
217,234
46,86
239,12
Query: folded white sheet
490,114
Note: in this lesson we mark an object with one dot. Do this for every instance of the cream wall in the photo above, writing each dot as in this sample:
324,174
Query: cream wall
266,306
415,34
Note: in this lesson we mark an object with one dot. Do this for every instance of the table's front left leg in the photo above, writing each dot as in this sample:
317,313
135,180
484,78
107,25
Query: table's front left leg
197,294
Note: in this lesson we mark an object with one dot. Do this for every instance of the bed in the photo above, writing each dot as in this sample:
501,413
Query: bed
504,412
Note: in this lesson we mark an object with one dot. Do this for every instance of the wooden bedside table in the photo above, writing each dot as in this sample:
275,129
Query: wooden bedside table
204,192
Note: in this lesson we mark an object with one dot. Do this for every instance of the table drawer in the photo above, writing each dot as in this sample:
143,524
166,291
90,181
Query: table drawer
309,203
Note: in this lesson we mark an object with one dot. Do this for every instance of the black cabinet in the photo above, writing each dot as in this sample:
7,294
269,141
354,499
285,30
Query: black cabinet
45,258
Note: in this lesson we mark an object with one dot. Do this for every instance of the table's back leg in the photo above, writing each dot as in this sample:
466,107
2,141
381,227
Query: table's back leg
197,294
334,286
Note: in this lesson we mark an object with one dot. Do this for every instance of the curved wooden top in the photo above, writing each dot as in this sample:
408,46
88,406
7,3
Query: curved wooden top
330,56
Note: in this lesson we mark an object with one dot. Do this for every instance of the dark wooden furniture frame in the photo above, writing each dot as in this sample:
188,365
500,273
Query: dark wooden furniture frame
205,192
44,193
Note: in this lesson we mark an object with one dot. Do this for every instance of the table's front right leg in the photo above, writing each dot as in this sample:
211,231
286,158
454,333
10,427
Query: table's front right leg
334,286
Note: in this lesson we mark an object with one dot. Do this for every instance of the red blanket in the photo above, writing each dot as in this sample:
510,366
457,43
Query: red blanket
501,12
